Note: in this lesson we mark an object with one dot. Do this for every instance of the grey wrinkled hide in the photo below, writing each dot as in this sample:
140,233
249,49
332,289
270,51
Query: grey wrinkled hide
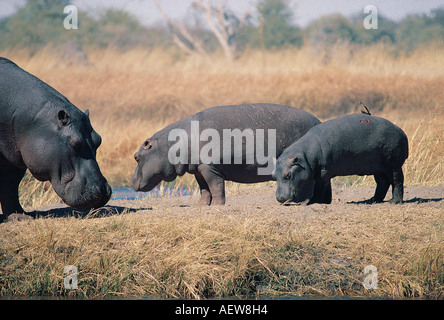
42,131
153,165
356,144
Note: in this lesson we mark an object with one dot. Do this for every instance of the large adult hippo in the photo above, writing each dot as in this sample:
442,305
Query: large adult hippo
44,132
357,144
234,143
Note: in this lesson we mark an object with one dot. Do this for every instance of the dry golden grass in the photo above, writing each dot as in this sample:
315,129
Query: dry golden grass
196,252
234,250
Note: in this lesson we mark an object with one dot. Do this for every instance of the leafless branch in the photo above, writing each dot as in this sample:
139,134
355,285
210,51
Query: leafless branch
222,22
195,42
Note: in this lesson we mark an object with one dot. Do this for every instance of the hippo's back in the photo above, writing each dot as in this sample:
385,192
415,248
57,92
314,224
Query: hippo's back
363,142
254,115
290,123
20,90
360,131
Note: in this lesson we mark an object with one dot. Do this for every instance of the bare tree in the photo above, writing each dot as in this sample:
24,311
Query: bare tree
192,44
223,23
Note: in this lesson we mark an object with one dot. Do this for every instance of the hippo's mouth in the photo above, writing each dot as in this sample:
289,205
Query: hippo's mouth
67,177
79,189
139,183
66,172
138,186
82,195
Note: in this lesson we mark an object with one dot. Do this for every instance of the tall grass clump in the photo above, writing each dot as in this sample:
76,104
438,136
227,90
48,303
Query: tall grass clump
426,152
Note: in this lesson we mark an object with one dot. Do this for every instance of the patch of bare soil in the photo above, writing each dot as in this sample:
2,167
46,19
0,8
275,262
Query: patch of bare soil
344,199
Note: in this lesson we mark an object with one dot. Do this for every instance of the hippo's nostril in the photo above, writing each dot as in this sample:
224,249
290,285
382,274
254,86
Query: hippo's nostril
136,157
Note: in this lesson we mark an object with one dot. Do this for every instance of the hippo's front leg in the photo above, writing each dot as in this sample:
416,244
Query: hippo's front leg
215,181
322,191
205,194
10,178
327,193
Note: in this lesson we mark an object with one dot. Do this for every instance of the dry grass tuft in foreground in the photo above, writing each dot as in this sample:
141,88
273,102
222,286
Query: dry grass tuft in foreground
174,249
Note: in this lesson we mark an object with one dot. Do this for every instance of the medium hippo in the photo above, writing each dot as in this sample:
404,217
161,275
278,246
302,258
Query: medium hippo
42,131
221,143
358,144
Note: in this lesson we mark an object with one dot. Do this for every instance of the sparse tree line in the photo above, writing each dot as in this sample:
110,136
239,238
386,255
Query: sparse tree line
210,26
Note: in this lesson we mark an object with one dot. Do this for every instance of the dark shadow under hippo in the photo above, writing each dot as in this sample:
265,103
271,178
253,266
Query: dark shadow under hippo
356,144
42,131
235,143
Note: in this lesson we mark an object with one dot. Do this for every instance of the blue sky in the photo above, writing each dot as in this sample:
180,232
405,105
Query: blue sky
305,10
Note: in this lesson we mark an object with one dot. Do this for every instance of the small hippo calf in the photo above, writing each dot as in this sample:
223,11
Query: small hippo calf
221,143
350,145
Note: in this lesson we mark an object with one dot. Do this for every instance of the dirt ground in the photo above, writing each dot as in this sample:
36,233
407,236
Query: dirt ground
345,199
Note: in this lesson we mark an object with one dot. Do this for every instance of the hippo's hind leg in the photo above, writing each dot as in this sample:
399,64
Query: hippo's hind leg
382,186
10,178
205,194
397,186
215,181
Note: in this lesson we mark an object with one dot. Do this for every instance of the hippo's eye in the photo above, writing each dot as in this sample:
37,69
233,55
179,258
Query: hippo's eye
287,175
147,144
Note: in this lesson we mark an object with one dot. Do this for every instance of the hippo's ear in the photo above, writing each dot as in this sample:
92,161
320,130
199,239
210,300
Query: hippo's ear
63,118
87,112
